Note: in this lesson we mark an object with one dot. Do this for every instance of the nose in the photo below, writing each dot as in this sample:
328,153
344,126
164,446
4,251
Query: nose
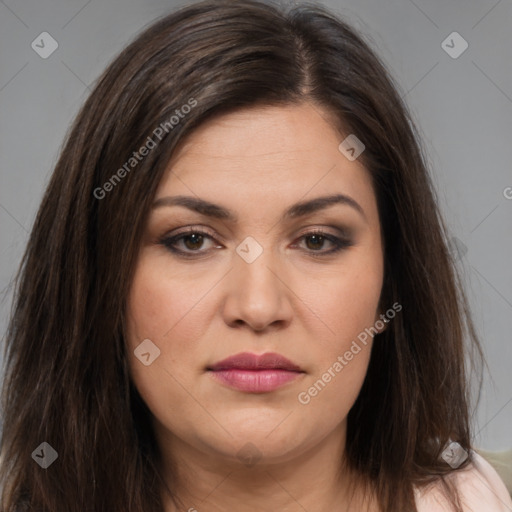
257,294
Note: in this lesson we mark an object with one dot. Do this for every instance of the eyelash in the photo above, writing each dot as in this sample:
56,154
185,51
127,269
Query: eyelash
169,243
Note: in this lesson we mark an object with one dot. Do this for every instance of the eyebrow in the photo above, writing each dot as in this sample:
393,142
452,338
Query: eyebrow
299,209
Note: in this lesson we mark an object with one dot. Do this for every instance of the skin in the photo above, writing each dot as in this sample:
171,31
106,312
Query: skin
257,162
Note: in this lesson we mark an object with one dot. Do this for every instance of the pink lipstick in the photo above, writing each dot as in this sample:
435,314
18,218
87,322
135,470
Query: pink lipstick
253,373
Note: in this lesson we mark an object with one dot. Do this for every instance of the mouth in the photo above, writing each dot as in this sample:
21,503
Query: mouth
253,373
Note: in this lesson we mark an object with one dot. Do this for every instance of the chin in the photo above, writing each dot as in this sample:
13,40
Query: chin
271,442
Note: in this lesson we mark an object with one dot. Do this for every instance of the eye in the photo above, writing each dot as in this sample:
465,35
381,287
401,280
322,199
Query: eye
315,240
192,240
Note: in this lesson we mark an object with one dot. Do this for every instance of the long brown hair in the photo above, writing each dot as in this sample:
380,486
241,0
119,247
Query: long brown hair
67,381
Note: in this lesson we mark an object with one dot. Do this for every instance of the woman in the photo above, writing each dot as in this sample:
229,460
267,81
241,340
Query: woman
237,292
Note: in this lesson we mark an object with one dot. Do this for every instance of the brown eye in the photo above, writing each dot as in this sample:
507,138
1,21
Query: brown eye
196,241
316,240
189,243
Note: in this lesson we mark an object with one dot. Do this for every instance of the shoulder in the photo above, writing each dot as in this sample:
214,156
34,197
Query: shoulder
479,485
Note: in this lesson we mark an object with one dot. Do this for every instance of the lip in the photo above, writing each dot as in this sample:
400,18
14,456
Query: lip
254,373
248,361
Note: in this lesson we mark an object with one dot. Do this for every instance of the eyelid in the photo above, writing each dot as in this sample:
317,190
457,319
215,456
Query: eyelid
172,236
339,242
190,229
342,232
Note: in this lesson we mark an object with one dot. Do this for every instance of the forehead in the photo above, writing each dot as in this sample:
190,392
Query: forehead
293,129
266,156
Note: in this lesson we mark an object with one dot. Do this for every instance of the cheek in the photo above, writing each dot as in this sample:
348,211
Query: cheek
162,307
168,316
355,302
160,313
348,305
346,302
332,392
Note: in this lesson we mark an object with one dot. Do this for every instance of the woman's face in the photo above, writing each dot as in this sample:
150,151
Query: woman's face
256,280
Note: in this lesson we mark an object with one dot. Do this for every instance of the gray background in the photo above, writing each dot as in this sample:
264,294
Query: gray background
463,106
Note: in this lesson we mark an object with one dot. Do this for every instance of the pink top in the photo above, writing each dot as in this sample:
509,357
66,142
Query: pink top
480,487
